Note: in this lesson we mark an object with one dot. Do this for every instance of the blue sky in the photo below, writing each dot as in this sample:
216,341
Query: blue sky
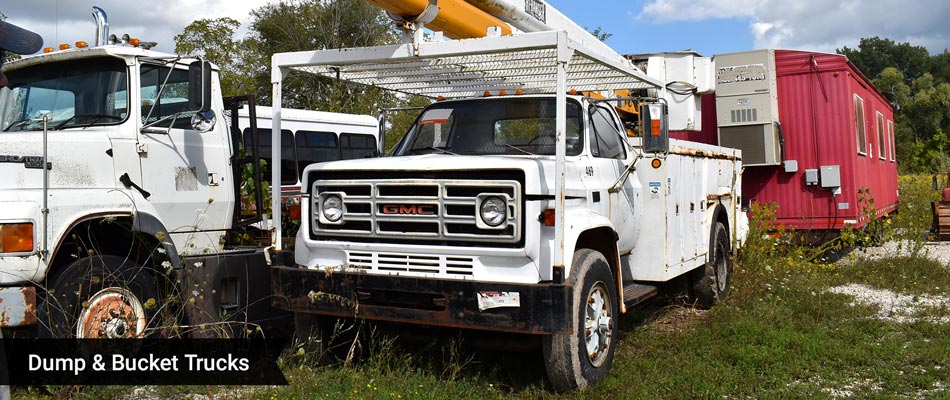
638,26
720,26
632,34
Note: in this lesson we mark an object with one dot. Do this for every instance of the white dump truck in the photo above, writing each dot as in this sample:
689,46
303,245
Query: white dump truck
519,201
122,171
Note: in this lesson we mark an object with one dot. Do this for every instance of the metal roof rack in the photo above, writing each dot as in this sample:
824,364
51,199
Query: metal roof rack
468,67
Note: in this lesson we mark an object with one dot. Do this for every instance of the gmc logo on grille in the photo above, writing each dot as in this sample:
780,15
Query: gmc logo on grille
404,209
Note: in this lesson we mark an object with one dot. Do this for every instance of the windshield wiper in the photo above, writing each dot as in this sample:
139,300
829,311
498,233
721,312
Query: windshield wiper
95,118
520,149
439,149
17,124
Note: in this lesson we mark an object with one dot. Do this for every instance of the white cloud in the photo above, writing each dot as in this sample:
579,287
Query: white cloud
60,21
818,25
690,10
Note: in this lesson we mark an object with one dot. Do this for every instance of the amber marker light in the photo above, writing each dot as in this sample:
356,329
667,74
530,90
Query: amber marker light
486,94
547,217
134,42
503,92
656,163
64,46
48,49
81,44
519,92
16,238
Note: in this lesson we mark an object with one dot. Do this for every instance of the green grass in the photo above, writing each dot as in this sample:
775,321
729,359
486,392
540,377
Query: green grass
779,335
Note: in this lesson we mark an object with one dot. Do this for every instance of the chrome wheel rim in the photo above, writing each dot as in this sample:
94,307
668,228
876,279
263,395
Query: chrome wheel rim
598,324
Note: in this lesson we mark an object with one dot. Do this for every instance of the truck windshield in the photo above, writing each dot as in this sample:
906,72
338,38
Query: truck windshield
75,93
513,126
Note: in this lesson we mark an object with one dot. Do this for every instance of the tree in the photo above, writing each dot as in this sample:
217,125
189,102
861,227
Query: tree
213,40
874,54
600,34
310,25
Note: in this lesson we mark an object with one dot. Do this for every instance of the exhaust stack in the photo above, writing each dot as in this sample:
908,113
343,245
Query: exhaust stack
102,26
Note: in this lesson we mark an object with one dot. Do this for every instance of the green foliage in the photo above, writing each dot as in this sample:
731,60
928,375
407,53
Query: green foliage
875,54
213,40
918,86
600,34
294,26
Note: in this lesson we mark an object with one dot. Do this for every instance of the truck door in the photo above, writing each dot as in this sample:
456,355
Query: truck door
609,161
186,172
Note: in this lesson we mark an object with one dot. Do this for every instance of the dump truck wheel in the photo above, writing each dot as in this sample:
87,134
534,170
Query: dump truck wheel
711,281
99,297
583,354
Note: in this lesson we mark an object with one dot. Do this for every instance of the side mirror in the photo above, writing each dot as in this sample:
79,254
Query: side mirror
199,86
656,131
203,121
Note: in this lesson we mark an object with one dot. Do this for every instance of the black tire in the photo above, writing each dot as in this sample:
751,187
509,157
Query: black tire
113,296
570,366
711,281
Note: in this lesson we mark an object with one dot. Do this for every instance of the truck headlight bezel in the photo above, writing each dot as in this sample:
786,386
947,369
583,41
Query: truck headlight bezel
493,211
332,208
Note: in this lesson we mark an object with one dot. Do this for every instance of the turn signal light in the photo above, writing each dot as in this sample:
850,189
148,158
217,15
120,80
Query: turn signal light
547,217
295,212
16,238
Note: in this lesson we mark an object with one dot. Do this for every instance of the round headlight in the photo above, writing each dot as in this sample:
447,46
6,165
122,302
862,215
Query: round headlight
494,211
332,208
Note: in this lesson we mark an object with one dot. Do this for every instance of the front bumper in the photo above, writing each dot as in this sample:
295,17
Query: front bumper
17,306
543,307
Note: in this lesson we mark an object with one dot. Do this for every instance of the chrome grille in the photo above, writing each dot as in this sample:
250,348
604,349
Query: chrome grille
430,209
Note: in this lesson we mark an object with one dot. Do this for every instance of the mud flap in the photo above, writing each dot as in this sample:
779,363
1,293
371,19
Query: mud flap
229,295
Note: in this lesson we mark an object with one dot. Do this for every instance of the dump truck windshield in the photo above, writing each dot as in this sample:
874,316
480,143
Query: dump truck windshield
76,93
512,126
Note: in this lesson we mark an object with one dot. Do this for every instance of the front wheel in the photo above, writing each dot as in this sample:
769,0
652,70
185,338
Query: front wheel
99,297
583,355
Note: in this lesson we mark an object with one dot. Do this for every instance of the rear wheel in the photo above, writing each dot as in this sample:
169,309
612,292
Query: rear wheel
99,297
583,355
711,281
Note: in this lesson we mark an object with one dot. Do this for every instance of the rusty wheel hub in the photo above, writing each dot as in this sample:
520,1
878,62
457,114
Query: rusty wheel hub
112,313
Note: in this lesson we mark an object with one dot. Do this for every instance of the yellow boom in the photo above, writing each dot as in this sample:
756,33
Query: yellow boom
456,18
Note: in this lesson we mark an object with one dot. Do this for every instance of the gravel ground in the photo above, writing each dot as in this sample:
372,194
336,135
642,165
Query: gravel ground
938,251
893,306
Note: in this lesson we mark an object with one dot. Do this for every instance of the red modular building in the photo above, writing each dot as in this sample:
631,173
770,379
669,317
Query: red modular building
814,132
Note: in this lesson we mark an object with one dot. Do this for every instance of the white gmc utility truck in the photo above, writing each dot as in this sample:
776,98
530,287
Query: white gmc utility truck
122,171
515,203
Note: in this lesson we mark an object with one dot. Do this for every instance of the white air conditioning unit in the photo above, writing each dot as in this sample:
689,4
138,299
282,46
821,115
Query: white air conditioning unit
747,106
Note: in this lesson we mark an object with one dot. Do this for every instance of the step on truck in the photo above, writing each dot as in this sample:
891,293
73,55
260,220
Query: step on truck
518,201
122,173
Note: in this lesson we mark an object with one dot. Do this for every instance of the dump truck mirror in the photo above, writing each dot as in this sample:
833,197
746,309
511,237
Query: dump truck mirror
199,86
656,133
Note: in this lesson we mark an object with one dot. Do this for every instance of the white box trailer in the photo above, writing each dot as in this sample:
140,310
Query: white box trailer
528,211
